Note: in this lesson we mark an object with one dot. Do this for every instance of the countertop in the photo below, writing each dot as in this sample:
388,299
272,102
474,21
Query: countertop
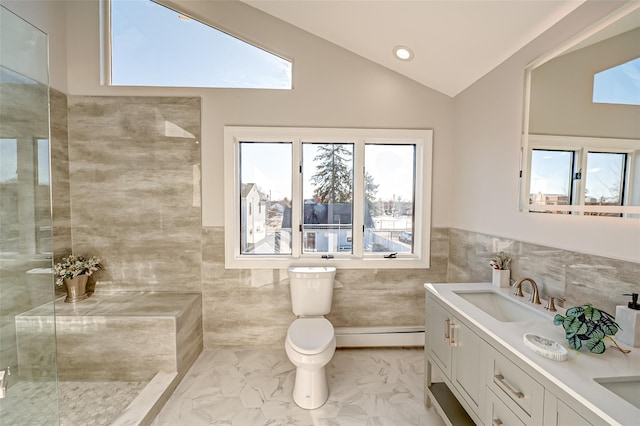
574,376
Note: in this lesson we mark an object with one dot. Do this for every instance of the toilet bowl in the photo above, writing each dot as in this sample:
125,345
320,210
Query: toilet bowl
310,345
311,340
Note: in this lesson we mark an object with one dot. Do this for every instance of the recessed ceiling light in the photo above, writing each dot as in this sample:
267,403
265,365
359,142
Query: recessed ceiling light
403,53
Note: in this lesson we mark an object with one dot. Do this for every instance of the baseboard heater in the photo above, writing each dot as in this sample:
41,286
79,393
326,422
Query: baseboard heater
354,337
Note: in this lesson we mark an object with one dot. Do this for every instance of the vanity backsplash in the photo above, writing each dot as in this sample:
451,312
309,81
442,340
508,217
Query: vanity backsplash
576,277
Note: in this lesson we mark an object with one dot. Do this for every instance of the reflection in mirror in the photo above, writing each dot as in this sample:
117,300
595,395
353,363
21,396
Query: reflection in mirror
581,136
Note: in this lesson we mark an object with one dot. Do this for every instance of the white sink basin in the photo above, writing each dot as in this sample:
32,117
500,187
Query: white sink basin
501,307
627,388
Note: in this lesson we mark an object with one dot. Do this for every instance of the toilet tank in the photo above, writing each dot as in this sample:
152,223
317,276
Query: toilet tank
311,290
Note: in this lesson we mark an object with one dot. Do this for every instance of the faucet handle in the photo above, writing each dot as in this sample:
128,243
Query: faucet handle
518,291
550,306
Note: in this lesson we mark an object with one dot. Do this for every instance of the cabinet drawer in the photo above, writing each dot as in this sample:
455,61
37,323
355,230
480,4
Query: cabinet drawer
498,414
519,391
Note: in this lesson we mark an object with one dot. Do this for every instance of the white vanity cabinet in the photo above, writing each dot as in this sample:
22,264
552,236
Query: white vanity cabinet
459,355
488,376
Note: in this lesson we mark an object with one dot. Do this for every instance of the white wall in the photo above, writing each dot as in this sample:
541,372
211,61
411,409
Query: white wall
562,89
332,88
488,125
475,181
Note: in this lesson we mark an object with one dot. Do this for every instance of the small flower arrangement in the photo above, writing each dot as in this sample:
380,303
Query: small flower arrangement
500,261
73,266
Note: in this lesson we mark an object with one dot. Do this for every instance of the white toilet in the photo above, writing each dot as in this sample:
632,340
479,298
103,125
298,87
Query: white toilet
311,341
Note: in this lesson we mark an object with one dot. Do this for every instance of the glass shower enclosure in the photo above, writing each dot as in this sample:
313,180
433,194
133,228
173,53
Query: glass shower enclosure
28,393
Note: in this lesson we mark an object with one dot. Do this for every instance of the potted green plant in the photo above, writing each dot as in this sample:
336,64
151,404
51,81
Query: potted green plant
590,327
73,272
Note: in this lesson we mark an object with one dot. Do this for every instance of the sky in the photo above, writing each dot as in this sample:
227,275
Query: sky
618,85
551,172
9,156
267,164
9,160
152,46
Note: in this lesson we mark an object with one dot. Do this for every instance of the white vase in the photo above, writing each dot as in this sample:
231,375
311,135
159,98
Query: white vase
501,277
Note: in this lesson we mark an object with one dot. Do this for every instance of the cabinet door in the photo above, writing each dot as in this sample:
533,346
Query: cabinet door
567,416
438,322
558,413
468,364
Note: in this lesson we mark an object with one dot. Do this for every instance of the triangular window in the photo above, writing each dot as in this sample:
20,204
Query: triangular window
618,85
152,45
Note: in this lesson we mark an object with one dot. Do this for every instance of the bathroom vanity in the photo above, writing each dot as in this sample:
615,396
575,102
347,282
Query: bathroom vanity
479,369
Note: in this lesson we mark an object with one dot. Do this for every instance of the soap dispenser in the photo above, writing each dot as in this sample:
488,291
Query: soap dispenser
628,318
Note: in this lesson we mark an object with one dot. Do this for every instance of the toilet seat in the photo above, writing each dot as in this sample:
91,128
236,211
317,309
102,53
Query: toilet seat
310,336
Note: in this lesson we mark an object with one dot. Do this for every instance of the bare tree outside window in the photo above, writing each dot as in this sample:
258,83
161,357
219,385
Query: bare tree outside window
333,180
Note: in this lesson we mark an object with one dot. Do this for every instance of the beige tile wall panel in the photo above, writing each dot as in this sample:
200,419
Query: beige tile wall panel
60,193
577,277
135,197
253,307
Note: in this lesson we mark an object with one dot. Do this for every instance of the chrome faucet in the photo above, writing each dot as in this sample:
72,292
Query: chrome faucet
4,373
535,297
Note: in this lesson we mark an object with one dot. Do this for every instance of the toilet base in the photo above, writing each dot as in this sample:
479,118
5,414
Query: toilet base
310,390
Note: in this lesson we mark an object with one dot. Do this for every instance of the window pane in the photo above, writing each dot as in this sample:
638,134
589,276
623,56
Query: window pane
8,160
618,85
43,162
265,198
551,177
605,179
153,45
327,193
389,191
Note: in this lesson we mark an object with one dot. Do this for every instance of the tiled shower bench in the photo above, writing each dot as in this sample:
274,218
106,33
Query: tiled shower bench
127,336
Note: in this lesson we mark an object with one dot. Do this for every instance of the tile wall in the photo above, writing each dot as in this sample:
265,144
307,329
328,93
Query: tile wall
245,307
577,277
60,195
135,190
134,197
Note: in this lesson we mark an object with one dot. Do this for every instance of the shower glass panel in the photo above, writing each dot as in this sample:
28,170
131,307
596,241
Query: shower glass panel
27,342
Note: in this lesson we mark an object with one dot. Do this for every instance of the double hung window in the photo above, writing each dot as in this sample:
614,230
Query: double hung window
358,198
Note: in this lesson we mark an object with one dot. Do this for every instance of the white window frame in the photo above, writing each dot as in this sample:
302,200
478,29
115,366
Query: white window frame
423,141
581,146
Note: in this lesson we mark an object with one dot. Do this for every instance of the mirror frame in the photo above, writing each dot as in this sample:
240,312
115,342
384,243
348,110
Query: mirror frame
525,158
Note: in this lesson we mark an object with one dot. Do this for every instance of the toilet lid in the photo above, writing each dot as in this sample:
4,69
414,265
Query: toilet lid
310,335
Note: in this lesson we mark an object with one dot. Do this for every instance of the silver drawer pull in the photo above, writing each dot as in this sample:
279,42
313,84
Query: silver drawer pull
500,378
446,329
497,422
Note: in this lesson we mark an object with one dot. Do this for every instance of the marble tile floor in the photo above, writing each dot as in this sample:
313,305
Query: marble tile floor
81,403
250,387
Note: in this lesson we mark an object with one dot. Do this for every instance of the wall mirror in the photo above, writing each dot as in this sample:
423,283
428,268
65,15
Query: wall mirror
581,134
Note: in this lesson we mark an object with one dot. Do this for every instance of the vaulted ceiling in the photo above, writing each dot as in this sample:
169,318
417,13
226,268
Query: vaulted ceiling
454,42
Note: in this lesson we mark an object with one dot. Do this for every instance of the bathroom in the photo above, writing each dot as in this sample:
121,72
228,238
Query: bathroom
157,228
